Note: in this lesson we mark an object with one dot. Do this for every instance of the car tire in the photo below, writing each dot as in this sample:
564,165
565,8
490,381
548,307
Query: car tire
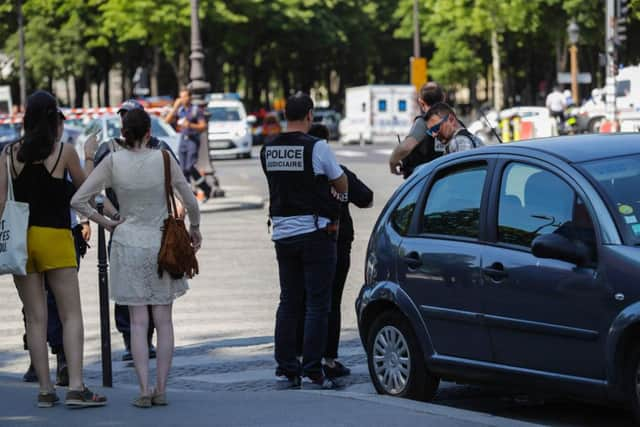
594,124
632,378
398,369
246,155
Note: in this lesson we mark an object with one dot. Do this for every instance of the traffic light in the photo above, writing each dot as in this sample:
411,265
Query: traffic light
621,21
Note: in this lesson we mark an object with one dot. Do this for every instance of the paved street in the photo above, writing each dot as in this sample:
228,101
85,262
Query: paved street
224,325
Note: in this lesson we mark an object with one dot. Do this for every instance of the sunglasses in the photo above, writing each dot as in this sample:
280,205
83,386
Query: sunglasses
436,128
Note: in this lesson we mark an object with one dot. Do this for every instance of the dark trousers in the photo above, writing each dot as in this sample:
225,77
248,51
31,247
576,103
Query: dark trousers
123,324
307,265
54,325
189,149
334,325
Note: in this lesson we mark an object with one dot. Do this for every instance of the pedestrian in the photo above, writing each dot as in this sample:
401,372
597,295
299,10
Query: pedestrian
136,174
556,103
361,196
95,153
81,235
443,124
38,165
301,171
189,120
418,147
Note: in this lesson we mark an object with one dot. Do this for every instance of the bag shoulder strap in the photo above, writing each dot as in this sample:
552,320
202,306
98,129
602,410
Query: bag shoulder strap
168,188
10,195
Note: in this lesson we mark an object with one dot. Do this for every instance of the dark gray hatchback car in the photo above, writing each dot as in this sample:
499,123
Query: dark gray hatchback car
516,264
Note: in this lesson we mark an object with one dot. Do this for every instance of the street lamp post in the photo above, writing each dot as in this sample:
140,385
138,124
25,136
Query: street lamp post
573,32
23,80
198,85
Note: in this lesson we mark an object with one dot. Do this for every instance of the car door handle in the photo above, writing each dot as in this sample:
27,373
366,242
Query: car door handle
495,271
412,259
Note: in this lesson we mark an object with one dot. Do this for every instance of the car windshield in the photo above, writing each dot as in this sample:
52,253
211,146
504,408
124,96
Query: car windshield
619,179
223,114
9,133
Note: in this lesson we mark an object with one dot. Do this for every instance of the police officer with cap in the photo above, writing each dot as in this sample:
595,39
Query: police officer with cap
306,184
93,157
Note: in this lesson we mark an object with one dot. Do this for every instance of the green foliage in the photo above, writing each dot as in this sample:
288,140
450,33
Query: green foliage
279,45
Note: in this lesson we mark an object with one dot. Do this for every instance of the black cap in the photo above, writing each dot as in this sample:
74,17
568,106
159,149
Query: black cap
130,104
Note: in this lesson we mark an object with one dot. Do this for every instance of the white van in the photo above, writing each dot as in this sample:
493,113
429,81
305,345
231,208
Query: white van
378,113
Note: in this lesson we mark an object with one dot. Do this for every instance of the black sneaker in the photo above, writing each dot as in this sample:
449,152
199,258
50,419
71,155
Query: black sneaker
337,371
292,382
321,382
47,400
30,376
127,356
152,351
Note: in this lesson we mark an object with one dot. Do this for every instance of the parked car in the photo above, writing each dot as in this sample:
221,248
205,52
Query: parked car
516,264
109,127
331,119
9,132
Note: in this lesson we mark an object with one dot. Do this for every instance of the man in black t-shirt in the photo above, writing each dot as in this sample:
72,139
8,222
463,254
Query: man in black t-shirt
418,147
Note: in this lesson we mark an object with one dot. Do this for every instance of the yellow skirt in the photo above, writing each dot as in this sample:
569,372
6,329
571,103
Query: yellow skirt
50,249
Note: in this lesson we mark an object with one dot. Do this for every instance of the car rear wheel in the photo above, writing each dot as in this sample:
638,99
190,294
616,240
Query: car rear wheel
395,359
632,375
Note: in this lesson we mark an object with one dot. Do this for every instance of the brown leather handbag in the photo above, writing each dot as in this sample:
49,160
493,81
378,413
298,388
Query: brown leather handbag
176,255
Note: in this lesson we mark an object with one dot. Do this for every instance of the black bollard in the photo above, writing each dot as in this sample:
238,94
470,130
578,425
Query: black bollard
103,288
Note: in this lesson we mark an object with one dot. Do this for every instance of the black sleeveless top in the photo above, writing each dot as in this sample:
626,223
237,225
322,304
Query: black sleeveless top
49,198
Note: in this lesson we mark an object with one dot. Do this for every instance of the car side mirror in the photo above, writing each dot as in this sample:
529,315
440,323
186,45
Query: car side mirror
251,119
556,246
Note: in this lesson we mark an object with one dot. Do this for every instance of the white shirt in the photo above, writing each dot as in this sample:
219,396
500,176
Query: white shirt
556,102
324,163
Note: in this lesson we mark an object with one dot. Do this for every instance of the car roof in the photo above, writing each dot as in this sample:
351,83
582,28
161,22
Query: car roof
576,148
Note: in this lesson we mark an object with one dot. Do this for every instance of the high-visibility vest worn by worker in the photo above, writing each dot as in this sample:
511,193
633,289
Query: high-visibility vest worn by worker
294,188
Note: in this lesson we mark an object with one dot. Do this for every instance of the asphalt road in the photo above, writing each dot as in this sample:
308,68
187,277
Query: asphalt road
224,324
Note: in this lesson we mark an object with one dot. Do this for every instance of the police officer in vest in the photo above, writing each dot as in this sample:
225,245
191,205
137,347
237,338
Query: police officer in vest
306,184
418,147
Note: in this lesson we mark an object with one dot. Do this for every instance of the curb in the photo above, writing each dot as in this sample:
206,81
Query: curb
224,204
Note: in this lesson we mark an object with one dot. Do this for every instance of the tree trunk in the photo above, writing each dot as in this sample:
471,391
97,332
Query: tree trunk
67,90
123,83
80,88
498,95
88,86
106,86
155,70
183,69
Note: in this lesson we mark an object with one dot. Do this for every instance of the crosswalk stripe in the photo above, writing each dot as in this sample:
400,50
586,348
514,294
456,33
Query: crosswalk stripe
350,153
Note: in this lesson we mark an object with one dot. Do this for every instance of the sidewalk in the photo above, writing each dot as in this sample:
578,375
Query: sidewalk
275,408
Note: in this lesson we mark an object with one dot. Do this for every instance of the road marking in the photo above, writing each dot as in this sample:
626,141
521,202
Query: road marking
350,153
385,151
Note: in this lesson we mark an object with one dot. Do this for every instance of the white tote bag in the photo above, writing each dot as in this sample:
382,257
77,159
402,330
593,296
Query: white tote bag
13,233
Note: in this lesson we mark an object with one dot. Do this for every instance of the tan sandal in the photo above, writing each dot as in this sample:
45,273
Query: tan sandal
159,399
142,402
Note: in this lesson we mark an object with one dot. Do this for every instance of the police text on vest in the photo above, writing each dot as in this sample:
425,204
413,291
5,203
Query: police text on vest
287,158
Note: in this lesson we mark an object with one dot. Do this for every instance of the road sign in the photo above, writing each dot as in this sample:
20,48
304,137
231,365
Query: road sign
418,72
565,78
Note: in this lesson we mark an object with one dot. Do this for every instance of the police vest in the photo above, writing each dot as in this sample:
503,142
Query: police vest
294,189
424,152
464,132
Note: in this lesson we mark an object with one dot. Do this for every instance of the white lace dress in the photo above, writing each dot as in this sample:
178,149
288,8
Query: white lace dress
137,178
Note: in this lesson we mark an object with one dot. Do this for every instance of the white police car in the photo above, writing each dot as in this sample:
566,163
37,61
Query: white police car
229,128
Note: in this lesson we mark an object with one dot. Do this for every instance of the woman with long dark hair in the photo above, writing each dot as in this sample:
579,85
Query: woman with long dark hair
136,175
38,165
